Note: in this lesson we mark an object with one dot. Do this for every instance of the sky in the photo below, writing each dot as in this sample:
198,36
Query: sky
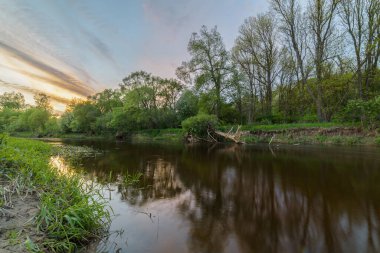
75,48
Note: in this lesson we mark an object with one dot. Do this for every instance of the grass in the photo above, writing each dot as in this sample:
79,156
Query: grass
306,137
313,139
28,134
157,135
71,211
131,179
294,126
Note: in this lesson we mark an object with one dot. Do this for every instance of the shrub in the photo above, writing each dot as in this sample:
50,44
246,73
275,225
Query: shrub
377,140
3,138
368,112
309,118
199,124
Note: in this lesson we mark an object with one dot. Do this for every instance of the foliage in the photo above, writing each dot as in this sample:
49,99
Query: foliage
131,179
377,140
187,105
3,139
43,102
199,124
368,112
84,117
209,65
38,119
12,101
9,119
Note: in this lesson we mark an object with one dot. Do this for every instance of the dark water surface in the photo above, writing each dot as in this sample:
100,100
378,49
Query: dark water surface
240,198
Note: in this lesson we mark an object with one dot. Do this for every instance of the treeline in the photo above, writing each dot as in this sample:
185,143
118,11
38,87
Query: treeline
295,63
17,116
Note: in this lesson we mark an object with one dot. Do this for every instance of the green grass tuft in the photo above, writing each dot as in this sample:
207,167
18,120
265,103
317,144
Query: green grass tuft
72,212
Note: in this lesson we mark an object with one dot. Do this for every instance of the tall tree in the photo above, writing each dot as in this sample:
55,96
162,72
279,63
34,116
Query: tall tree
321,15
209,64
353,18
310,36
151,92
373,42
257,53
242,57
106,100
43,101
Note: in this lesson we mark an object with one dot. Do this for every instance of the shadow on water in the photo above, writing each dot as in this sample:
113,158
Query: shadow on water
240,198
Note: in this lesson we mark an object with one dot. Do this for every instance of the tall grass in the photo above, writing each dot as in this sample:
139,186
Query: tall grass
72,212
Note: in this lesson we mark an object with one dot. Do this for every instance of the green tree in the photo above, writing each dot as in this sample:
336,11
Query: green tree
84,118
37,119
42,101
187,105
12,100
209,64
106,100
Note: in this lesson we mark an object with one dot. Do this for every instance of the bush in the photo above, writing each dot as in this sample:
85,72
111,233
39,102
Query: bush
309,118
3,138
368,112
377,140
199,124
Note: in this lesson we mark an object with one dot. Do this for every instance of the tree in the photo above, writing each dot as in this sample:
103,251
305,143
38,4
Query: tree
321,15
12,100
236,94
257,38
84,117
43,101
187,105
312,40
143,90
209,64
37,119
168,92
242,57
361,19
106,100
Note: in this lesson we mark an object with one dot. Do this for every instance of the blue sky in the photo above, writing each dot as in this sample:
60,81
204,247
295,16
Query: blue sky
73,48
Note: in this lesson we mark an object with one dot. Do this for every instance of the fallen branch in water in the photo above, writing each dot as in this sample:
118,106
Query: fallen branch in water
235,137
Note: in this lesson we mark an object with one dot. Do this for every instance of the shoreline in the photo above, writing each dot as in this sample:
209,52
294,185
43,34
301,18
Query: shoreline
280,134
43,209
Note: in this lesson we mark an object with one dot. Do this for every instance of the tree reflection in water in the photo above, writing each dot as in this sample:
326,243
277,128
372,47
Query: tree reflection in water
249,199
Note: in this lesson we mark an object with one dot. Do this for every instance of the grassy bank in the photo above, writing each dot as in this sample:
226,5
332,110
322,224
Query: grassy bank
311,133
158,135
68,216
61,135
294,133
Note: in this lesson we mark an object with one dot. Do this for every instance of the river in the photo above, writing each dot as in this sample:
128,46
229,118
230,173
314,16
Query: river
231,198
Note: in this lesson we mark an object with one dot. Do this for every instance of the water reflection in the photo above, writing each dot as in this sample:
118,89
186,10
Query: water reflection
245,198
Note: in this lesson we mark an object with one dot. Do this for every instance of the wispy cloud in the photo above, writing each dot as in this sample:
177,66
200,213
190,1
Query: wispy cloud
73,48
57,77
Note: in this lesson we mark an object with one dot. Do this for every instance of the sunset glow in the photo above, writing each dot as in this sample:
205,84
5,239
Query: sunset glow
70,49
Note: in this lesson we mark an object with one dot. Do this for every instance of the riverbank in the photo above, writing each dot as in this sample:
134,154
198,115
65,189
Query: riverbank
311,133
44,209
297,133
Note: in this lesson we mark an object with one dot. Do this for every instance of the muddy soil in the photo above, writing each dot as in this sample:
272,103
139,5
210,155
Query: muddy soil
342,131
16,223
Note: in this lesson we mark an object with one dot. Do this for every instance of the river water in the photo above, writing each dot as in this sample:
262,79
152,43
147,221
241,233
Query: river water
231,198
